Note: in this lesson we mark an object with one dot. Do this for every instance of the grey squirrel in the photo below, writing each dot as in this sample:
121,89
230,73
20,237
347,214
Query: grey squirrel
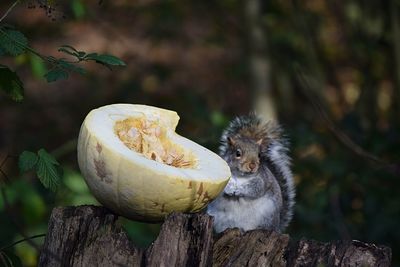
260,194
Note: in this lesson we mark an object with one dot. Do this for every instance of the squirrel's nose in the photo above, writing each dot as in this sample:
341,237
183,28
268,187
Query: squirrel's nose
252,165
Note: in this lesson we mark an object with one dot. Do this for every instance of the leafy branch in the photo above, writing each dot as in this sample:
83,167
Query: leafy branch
15,43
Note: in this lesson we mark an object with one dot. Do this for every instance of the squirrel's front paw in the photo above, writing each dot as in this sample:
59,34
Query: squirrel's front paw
229,190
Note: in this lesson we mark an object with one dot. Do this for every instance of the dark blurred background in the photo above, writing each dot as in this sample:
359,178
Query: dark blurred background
328,70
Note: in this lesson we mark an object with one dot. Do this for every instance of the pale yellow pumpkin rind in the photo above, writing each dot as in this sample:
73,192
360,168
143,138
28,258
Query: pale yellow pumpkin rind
136,187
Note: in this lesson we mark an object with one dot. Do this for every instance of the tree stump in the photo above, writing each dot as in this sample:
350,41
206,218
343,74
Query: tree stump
89,236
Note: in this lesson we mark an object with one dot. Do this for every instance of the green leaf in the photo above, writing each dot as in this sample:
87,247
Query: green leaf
69,47
48,170
48,157
13,42
67,51
11,84
70,50
105,59
70,66
90,55
56,74
27,161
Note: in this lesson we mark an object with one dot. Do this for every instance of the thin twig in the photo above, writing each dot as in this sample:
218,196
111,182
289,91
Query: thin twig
22,240
4,175
1,170
3,260
9,10
4,160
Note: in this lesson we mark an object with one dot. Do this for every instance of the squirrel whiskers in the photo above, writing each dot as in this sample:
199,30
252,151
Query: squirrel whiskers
261,192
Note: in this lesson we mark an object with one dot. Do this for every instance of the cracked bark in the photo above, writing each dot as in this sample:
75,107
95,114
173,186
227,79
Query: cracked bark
89,236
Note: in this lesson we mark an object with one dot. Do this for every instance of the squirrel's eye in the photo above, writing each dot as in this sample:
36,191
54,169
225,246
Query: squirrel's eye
238,153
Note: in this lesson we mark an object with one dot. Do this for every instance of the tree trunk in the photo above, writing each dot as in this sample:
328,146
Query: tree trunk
259,65
89,236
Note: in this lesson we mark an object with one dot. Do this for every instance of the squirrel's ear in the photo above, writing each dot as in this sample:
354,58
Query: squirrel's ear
259,142
230,140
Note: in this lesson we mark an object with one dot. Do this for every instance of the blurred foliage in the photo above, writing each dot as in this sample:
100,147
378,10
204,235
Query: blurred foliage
182,60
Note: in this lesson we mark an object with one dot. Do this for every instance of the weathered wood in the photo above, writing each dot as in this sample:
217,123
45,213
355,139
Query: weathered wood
253,248
89,236
184,240
338,253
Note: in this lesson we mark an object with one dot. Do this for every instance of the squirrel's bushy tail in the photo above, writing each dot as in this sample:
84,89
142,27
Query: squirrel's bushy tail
279,164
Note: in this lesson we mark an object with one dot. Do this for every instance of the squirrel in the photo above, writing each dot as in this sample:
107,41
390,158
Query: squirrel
260,193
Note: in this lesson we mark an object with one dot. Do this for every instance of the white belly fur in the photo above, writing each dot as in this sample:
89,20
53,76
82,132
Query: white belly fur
246,214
